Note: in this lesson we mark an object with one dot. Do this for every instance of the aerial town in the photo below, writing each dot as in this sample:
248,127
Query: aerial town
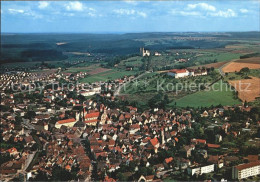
52,133
142,91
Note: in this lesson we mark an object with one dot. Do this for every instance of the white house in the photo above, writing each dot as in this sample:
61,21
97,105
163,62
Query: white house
66,122
179,73
201,170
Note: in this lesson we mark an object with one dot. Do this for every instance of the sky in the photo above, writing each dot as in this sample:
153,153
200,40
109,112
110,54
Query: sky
129,16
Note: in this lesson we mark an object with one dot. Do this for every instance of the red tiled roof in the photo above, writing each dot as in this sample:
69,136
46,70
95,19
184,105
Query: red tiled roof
213,158
248,165
199,141
68,167
107,179
149,177
135,126
168,160
154,141
92,115
11,150
66,121
176,139
178,71
252,158
213,145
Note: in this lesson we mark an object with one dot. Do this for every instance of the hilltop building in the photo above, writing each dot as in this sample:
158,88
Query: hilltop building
144,52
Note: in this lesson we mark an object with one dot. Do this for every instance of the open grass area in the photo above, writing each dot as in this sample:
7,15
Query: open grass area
81,69
216,57
208,98
238,76
108,75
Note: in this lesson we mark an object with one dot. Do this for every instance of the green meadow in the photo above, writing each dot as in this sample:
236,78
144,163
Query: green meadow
208,98
107,75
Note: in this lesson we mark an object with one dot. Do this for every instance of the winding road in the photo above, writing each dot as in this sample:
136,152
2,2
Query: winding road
221,67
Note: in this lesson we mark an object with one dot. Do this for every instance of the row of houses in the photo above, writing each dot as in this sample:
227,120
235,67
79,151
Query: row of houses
181,73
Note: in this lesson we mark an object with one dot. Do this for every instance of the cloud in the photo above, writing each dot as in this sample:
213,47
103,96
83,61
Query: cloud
130,12
243,10
125,11
16,11
185,13
226,14
78,6
203,6
43,4
142,14
74,6
69,14
133,2
25,13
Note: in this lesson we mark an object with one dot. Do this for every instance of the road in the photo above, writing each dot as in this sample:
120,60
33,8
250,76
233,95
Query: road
29,160
117,92
221,67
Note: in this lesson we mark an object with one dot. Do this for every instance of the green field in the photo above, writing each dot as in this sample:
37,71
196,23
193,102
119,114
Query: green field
217,57
208,98
238,76
108,75
86,68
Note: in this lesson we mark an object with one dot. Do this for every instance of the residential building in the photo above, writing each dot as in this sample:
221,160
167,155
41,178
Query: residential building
243,171
201,170
66,122
179,73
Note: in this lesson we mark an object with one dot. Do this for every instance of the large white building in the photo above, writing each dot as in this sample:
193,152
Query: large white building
180,73
66,122
201,170
246,170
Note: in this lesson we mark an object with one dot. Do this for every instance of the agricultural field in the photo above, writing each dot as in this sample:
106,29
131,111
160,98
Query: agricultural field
92,69
248,89
216,57
211,65
208,98
237,66
252,60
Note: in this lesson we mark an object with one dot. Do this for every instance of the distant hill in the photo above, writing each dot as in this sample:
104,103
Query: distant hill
44,47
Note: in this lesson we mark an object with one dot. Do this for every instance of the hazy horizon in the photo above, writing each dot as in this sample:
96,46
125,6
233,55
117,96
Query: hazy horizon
126,32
